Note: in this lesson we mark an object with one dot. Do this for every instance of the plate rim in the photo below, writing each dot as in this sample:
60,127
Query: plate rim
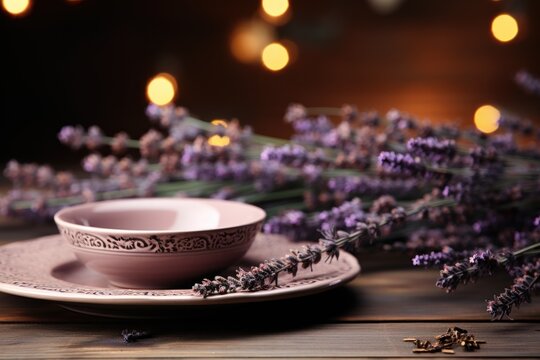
182,300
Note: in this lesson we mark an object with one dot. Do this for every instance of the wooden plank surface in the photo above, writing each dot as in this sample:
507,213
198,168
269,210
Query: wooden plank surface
369,317
233,340
394,295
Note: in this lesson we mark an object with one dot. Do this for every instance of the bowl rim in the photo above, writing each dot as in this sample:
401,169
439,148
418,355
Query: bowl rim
102,230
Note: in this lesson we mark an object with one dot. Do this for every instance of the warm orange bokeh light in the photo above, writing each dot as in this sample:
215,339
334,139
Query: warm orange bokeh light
161,89
275,8
275,57
16,7
249,39
504,27
219,122
216,140
486,118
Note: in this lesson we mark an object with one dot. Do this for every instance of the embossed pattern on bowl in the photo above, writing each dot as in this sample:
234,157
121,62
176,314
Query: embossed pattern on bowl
153,243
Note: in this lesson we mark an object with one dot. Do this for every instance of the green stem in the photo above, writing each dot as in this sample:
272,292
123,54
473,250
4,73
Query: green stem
356,235
278,195
527,250
130,143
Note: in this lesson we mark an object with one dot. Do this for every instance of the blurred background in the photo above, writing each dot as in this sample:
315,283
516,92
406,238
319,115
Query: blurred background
101,62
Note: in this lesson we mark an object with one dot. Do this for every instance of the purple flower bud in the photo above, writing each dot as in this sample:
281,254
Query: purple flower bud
92,163
528,82
432,149
295,112
400,164
400,120
72,136
13,171
150,144
119,142
520,292
45,176
94,138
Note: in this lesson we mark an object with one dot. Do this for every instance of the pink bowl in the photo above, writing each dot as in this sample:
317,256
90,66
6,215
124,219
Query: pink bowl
159,242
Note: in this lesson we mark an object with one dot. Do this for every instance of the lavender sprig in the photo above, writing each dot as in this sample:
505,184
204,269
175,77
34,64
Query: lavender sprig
480,264
432,149
437,258
502,304
528,82
130,336
400,164
262,276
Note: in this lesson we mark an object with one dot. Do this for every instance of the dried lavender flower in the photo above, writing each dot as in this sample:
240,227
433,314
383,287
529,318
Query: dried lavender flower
432,149
400,120
119,143
502,304
295,112
45,176
130,336
94,138
352,186
13,171
528,82
293,224
383,204
437,258
400,164
480,263
262,276
349,113
291,154
92,163
150,144
72,136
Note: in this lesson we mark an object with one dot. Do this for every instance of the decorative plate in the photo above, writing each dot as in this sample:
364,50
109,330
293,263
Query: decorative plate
45,268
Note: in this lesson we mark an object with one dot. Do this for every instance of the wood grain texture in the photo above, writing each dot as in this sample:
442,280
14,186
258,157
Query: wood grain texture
234,341
393,295
388,289
369,317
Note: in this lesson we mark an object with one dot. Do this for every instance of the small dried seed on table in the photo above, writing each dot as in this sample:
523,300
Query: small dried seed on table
419,350
409,339
448,351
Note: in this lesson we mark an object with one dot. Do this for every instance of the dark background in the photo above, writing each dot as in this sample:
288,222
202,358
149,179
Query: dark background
88,62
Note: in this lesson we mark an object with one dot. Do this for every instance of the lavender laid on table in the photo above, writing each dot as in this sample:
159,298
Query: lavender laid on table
458,200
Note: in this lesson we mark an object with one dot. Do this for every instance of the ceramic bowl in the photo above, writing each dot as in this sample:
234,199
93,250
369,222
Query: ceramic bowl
159,242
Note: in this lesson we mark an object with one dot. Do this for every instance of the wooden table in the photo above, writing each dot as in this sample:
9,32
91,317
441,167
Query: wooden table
367,318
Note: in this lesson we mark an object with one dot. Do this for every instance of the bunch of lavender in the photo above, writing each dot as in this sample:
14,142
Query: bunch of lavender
466,201
482,183
266,274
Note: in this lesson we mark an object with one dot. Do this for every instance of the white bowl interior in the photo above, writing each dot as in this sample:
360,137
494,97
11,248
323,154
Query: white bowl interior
182,215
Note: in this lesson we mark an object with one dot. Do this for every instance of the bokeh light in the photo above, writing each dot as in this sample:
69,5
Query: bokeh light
219,122
385,7
16,7
217,140
275,8
161,89
275,56
248,40
504,27
486,118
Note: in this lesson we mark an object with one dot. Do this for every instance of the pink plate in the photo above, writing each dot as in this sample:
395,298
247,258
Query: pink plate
45,268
